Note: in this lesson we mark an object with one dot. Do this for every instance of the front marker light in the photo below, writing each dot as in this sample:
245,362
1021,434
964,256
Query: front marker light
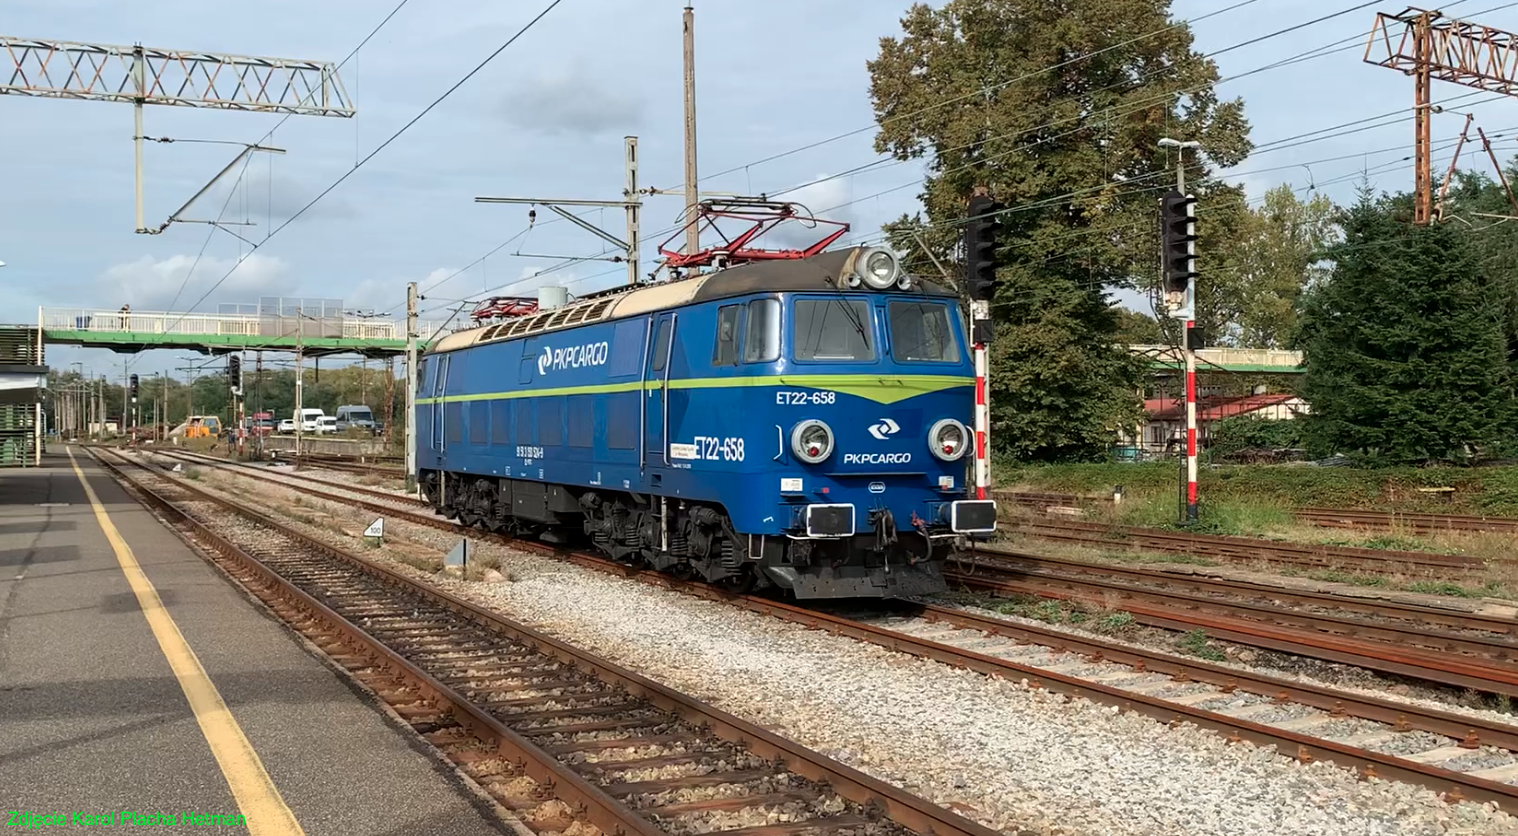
948,440
812,441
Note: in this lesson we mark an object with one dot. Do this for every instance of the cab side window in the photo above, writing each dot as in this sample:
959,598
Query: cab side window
761,343
726,352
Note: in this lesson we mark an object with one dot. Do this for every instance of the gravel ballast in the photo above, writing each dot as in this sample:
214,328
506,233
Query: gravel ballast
1016,759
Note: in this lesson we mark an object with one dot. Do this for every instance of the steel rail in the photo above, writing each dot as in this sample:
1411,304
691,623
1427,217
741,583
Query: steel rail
1200,583
1470,731
1385,658
1419,521
1246,548
1050,584
902,807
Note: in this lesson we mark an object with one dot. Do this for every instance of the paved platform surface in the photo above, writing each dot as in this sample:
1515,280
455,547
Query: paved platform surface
93,719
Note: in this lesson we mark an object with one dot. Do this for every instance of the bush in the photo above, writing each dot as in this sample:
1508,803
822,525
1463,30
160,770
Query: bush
1251,432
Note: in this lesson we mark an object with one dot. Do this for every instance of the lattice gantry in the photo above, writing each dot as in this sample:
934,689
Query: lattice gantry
1428,46
145,75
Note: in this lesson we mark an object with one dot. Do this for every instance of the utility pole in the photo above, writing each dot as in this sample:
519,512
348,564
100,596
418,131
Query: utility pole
1179,234
692,197
631,201
411,384
634,207
300,353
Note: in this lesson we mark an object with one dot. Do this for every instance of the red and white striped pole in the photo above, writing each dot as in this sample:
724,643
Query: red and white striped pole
980,317
1191,512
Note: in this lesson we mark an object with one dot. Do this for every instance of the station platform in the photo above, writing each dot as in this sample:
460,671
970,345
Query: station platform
95,718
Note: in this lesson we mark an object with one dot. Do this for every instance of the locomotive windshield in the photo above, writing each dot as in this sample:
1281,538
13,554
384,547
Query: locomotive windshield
833,330
920,332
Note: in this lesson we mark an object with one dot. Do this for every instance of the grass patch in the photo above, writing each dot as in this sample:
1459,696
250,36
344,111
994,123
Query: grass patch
193,474
1353,578
420,563
1157,557
1196,644
1455,590
1477,490
1116,622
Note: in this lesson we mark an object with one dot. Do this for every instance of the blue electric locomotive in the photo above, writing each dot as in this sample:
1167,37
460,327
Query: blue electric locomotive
791,423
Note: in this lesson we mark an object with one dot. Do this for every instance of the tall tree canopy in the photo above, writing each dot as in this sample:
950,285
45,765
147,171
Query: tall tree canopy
1057,107
1264,271
1405,343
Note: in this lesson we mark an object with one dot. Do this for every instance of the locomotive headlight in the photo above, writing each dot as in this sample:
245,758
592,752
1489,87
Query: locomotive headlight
878,269
812,441
948,439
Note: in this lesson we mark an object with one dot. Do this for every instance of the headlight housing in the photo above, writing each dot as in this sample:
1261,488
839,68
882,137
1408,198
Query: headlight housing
812,441
948,440
878,268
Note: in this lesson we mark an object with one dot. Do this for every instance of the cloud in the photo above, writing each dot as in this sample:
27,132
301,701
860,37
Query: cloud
572,103
149,284
825,200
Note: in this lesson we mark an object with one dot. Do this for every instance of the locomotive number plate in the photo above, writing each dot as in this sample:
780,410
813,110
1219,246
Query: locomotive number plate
812,398
714,449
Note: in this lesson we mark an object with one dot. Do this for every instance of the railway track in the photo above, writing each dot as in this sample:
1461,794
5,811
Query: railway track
1244,549
1420,522
346,464
1459,659
1462,756
588,729
1486,665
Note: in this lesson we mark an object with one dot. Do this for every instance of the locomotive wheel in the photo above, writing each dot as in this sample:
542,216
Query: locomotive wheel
743,584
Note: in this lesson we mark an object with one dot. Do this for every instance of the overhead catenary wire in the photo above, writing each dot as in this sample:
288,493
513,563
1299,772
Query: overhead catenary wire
871,126
1334,47
382,146
241,174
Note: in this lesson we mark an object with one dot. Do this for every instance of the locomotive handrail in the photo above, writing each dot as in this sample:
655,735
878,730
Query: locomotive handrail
648,333
669,354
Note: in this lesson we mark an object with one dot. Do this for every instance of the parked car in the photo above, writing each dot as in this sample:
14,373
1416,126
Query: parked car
326,425
286,426
356,417
309,418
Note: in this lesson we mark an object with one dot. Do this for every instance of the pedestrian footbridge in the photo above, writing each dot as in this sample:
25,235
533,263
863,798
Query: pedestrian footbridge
133,331
1241,360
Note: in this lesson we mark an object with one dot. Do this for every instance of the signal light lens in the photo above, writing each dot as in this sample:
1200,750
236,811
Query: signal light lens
948,440
812,441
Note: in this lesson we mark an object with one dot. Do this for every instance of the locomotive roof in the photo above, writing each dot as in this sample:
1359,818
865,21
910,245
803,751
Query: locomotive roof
822,272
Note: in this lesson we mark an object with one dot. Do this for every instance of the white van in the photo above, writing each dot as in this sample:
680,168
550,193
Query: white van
326,425
309,419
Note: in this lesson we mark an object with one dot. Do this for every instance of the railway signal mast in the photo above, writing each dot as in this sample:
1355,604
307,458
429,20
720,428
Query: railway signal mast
980,283
1178,282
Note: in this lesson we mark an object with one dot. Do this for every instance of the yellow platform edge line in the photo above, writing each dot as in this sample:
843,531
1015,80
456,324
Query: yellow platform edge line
263,808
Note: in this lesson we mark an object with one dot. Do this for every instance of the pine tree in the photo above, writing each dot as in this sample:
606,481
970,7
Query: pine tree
969,87
1405,345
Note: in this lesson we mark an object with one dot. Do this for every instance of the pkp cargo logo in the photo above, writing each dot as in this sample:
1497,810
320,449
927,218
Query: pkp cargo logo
884,428
573,357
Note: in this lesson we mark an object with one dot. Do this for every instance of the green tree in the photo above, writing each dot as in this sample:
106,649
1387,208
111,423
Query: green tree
1057,109
1134,328
1406,353
1279,254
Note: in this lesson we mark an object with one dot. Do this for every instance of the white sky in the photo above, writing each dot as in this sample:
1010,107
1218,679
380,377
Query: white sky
547,119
